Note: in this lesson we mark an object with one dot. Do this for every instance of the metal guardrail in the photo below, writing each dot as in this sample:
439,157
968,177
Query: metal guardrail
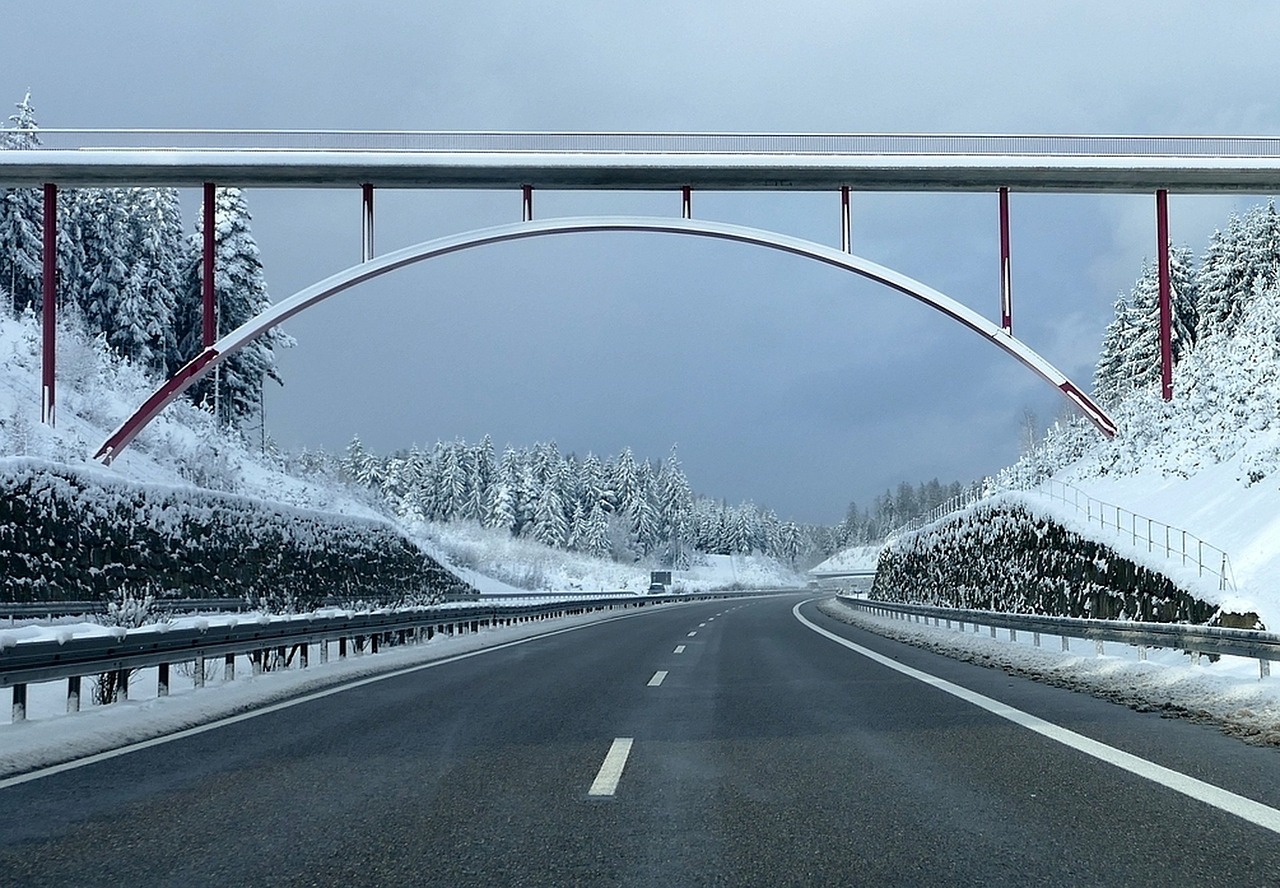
25,662
1262,646
76,608
480,142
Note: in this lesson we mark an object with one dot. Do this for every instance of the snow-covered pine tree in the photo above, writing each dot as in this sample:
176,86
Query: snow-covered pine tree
1242,260
549,525
1141,363
675,508
105,276
1109,385
241,295
625,488
593,537
21,221
144,329
451,484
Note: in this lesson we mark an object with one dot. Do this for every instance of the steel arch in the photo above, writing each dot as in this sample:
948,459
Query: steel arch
357,274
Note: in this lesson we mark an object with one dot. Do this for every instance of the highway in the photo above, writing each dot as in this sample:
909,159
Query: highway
760,753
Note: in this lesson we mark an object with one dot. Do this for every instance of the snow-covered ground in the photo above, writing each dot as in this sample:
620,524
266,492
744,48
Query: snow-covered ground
855,558
1228,693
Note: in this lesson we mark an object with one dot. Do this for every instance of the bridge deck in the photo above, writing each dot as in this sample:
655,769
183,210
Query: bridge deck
648,161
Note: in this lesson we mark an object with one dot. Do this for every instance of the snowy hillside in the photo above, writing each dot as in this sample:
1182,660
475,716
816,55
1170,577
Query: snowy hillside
1208,461
184,448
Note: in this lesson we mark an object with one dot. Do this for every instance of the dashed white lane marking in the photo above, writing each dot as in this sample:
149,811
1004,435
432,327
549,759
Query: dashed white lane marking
1225,800
606,782
679,649
691,634
702,625
658,678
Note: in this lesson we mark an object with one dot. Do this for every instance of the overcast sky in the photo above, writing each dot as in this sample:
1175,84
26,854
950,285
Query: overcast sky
781,381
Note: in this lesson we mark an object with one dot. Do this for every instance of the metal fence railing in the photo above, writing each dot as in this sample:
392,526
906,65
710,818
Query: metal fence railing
1262,646
1140,530
852,144
1159,538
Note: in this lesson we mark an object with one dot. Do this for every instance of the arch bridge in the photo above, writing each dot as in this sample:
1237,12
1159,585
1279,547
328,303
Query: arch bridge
841,163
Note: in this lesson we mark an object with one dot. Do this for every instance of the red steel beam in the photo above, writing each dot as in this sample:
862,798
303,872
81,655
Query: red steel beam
1006,269
209,299
49,304
1166,301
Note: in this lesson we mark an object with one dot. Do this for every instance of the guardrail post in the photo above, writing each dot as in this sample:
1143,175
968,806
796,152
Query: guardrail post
162,680
324,651
19,703
1264,668
373,642
256,659
73,694
229,667
993,631
197,676
1013,634
342,647
1142,652
122,686
1098,647
304,655
1066,643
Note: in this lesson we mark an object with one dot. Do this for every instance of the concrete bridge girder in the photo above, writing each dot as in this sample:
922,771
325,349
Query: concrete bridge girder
230,343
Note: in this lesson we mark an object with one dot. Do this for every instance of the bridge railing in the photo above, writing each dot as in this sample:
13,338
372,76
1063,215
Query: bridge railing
852,144
1215,640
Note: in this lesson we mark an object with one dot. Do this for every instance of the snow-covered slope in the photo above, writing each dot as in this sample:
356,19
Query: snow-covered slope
183,447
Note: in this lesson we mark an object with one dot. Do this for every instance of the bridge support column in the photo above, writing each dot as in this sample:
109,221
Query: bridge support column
846,221
686,202
366,227
527,193
1006,271
209,328
1166,302
49,304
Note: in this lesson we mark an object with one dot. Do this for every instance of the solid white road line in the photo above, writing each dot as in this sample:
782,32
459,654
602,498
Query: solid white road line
679,649
606,782
1225,800
658,678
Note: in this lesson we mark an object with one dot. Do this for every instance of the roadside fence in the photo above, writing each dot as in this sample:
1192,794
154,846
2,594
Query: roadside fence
1197,640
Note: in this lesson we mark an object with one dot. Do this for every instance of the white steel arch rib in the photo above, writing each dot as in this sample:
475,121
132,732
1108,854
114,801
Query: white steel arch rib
235,340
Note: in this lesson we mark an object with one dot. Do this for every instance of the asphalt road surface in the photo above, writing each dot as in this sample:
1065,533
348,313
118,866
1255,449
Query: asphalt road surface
720,743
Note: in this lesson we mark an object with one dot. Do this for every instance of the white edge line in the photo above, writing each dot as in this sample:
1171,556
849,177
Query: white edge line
606,782
106,755
1222,799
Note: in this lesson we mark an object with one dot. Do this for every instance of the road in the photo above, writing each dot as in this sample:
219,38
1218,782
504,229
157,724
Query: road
766,755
